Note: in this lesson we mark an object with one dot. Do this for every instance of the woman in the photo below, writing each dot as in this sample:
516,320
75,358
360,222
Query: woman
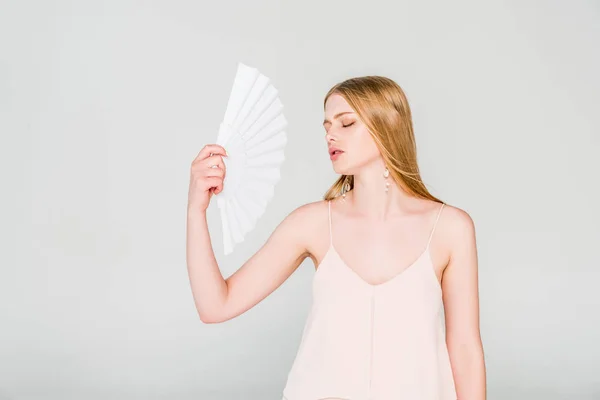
383,278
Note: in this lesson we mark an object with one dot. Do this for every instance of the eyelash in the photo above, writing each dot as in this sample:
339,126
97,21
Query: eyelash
345,126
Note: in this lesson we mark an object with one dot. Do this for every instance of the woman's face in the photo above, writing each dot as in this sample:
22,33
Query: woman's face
346,132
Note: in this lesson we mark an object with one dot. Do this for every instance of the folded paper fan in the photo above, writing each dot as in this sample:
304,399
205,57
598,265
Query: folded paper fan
253,134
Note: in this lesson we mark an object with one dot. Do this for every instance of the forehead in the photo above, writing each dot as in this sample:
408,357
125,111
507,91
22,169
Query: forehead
336,104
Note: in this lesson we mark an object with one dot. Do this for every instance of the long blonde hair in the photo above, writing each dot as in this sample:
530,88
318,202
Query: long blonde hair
383,107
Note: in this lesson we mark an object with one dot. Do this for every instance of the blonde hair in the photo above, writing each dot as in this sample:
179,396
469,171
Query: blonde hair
383,107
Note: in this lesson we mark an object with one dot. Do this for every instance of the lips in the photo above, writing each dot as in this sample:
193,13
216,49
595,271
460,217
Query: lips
334,154
334,151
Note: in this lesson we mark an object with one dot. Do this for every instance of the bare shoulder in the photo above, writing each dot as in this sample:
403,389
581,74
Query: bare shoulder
309,210
310,223
306,215
458,229
307,219
457,222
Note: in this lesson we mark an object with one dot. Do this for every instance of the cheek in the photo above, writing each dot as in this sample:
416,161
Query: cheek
362,150
365,146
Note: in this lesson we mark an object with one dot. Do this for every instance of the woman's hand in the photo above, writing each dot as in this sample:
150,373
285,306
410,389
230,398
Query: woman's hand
206,176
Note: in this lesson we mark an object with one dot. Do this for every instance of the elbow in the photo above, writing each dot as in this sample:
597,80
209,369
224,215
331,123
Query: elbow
465,348
209,319
212,312
215,318
211,316
468,354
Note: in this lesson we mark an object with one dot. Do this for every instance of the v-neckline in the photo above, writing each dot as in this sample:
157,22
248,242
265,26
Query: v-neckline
395,277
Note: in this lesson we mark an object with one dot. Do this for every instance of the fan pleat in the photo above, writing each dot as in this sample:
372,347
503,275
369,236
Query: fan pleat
267,101
274,143
269,175
248,198
244,223
275,128
253,132
273,158
275,109
245,78
260,192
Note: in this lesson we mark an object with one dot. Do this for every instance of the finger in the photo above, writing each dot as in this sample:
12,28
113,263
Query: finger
219,188
211,166
214,172
213,182
208,150
218,173
215,161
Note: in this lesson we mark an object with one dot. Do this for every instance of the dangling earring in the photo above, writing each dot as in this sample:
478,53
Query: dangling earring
345,187
386,173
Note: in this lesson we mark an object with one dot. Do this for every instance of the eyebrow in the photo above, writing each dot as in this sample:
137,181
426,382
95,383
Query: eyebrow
337,115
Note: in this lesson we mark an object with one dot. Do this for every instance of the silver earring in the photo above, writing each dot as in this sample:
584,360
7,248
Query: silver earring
345,188
386,174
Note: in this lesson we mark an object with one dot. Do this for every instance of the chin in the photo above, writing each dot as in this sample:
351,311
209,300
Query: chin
341,170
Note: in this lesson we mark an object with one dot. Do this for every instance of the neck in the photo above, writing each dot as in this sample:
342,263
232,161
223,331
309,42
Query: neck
369,197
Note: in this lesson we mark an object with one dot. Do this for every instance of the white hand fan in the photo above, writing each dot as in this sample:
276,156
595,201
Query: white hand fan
252,133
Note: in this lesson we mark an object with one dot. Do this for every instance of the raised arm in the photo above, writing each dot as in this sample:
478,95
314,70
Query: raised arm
218,299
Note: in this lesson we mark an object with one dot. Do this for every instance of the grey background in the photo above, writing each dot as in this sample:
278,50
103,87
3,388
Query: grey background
103,106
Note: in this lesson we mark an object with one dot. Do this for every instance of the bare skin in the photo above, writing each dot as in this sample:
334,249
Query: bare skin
381,233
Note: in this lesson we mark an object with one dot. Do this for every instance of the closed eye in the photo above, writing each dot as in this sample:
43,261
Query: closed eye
345,126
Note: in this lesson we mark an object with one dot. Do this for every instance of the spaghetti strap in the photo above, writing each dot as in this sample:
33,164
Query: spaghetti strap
329,218
435,224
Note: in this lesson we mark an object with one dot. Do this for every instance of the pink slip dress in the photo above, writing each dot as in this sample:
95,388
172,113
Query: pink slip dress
364,341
